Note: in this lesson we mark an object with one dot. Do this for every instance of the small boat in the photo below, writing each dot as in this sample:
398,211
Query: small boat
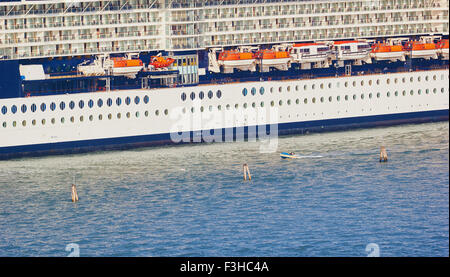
286,155
422,50
352,50
443,46
310,52
270,58
232,59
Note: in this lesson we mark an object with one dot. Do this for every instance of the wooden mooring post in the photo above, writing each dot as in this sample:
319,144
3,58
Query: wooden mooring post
74,193
246,170
383,154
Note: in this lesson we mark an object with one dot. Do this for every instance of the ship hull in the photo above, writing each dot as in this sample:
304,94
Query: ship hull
290,107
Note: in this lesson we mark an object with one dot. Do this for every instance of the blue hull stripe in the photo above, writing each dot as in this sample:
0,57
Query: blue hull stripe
163,139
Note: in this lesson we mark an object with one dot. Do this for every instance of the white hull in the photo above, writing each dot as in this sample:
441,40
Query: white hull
166,112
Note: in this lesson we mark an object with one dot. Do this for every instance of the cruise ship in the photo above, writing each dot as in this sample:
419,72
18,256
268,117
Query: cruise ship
84,75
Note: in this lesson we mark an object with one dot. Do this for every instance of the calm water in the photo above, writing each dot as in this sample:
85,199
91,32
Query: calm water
192,201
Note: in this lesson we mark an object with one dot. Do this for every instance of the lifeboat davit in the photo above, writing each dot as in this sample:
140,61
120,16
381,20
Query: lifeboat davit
443,48
270,58
158,62
418,49
231,59
352,50
385,52
126,66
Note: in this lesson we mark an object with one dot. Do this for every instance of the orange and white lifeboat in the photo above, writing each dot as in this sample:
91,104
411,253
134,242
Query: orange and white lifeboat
443,48
352,50
422,50
271,58
310,52
231,59
126,66
385,52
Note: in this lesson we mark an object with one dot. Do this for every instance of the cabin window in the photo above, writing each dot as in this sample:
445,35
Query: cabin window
289,102
210,94
71,105
244,92
127,100
183,97
119,115
118,101
81,104
99,103
192,96
13,109
43,121
109,102
137,100
146,98
43,107
201,95
219,94
253,91
100,117
261,90
297,101
4,110
33,107
23,108
52,106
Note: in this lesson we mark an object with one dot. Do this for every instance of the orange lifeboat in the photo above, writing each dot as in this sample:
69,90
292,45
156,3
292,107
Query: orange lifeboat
271,58
233,59
126,66
382,51
422,50
123,62
161,62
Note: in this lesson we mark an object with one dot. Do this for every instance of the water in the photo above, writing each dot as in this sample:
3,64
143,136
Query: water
192,200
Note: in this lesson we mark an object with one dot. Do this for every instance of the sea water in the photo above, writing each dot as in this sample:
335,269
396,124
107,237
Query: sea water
191,200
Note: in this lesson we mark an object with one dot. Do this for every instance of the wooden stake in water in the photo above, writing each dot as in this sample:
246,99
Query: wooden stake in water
246,170
74,193
383,154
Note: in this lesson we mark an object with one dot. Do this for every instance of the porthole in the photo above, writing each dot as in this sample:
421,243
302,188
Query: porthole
53,120
137,100
314,100
370,82
210,108
4,110
288,88
434,77
305,100
403,80
419,79
261,104
109,116
404,92
253,104
280,89
227,106
244,92
388,81
14,123
23,108
236,106
289,102
13,109
297,101
91,117
271,90
411,92
370,95
280,102
63,119
72,119
146,98
119,115
378,81
261,90
24,123
346,84
81,104
395,80
109,102
91,103
396,93
442,90
33,107
346,97
434,90
157,111
33,122
296,88
82,118
338,98
192,96
427,91
272,103
411,79
137,114
43,121
201,95
183,97
71,105
127,100
321,99
219,107
354,84
388,94
354,96
329,85
426,78
128,114
99,103
100,117
219,94
313,86
253,91
330,99
146,113
4,124
118,101
305,87
321,86
210,94
419,92
362,96
245,105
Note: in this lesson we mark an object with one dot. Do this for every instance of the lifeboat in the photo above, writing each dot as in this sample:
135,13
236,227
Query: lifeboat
352,50
422,50
158,62
231,59
270,58
310,52
126,66
385,52
443,48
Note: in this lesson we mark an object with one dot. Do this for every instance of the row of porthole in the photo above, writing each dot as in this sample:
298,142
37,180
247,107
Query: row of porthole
201,95
81,118
81,103
346,84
